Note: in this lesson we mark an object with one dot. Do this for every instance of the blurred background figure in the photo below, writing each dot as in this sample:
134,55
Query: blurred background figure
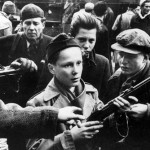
67,16
8,10
141,19
102,41
106,14
89,7
81,9
122,23
123,20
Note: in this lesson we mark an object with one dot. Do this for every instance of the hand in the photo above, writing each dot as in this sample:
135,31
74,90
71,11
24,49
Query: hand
123,104
68,113
86,130
137,111
24,64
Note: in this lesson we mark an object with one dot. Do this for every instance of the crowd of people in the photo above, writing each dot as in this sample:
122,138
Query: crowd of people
63,80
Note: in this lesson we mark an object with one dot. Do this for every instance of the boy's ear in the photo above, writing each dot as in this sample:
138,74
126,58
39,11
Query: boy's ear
51,68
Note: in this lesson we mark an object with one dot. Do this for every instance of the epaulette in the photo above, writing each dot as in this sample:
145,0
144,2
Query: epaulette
89,87
38,93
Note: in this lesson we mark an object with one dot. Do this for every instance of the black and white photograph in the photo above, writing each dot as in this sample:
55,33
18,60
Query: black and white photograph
74,74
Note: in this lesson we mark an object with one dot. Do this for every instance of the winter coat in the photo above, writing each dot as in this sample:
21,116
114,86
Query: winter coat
87,100
13,47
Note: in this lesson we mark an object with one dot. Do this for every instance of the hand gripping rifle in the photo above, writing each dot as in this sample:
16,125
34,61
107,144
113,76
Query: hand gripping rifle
110,108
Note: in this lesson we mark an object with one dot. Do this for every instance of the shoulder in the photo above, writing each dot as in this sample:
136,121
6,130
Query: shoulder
36,100
9,37
46,37
135,17
89,87
7,41
101,59
116,75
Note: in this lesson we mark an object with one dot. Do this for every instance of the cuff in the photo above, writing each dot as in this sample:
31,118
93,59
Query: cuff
147,117
67,141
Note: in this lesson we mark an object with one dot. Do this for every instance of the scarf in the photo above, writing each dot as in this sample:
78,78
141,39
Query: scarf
72,97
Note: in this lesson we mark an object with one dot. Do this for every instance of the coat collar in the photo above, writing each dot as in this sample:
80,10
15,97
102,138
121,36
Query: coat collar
51,90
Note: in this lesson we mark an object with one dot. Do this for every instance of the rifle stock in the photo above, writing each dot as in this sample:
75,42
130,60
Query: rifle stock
110,108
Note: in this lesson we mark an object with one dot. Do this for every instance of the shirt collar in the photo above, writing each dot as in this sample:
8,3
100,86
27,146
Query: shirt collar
28,42
91,59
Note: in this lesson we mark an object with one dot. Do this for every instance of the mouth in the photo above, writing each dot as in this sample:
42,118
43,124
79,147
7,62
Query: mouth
32,34
124,68
75,79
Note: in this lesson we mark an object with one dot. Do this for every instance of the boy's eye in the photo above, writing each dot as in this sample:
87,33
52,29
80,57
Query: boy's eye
79,62
81,40
68,65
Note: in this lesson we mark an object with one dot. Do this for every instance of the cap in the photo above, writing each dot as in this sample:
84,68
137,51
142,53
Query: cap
143,1
60,42
89,7
9,7
31,11
132,41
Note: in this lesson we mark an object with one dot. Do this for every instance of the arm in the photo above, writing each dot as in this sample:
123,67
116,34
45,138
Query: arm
30,122
27,122
115,25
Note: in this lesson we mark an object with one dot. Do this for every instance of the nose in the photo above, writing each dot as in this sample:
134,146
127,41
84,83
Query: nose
31,26
123,60
86,45
75,70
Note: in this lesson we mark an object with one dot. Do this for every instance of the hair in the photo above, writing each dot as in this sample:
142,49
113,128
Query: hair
100,8
146,1
84,20
133,6
82,4
9,7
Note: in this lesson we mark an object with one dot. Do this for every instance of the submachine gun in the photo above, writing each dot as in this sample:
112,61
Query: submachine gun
110,108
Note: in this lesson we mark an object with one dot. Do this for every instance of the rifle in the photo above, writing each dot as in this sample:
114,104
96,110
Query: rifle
7,70
110,108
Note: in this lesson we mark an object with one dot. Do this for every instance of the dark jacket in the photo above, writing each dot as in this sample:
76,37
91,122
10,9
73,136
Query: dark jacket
139,133
141,23
102,42
96,71
13,47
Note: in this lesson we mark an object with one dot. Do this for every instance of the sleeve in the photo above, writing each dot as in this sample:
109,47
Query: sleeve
28,122
106,76
148,111
62,141
36,100
8,31
133,22
115,25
